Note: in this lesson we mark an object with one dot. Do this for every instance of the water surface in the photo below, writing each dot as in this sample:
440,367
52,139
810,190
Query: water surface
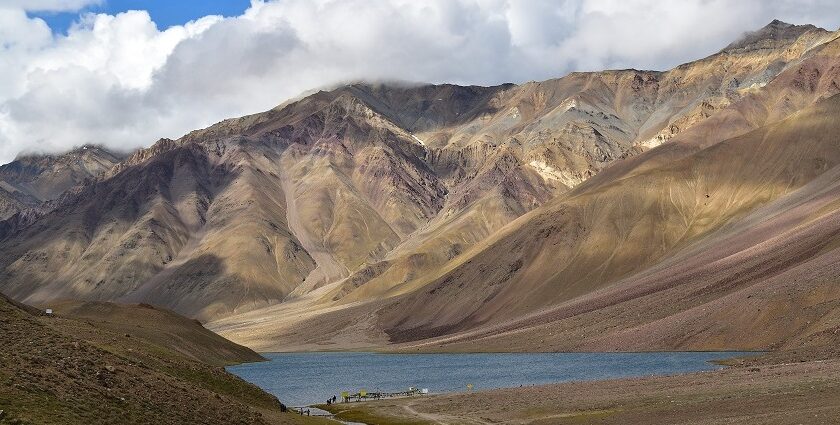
300,379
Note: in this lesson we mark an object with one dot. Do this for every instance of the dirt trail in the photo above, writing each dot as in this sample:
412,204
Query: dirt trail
442,419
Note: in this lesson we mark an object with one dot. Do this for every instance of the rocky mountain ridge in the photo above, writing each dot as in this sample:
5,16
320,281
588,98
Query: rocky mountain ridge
33,179
381,213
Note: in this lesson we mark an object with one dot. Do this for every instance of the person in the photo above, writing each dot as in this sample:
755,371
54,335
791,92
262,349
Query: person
329,401
334,399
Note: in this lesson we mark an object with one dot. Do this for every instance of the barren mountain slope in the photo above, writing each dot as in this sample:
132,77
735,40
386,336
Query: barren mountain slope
347,199
46,177
29,181
180,213
12,202
207,227
563,130
612,228
803,82
655,249
763,280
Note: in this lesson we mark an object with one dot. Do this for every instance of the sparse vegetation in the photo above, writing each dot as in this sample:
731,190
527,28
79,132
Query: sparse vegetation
62,371
369,415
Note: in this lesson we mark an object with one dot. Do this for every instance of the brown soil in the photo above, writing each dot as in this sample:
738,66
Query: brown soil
161,327
56,370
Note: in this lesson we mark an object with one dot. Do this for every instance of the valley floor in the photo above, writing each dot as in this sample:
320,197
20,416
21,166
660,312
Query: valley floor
780,388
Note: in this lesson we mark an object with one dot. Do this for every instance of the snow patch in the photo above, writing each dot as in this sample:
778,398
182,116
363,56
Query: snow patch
652,142
418,140
569,104
547,172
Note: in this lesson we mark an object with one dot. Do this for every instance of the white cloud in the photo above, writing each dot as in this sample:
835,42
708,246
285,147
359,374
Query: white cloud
120,81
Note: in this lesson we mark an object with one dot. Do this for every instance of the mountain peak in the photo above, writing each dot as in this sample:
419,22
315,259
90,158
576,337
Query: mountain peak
87,149
46,176
772,35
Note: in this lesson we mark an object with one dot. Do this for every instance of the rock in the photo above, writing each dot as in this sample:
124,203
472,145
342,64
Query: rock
110,368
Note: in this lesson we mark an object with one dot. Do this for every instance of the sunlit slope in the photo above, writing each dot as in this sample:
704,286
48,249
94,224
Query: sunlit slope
575,253
534,141
767,281
613,225
161,328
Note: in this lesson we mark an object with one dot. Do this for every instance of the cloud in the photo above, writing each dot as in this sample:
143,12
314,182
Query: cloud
120,81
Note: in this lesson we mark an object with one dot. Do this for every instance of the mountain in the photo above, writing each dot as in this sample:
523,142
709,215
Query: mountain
770,37
13,202
31,180
734,246
374,214
619,224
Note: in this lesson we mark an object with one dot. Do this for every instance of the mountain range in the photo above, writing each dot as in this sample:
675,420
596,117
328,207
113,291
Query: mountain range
693,208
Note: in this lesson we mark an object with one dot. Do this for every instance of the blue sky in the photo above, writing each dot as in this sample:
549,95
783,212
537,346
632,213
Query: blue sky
164,12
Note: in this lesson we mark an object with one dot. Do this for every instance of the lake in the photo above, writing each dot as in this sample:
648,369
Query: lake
300,379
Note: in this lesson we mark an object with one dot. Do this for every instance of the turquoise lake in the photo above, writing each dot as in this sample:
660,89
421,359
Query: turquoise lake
300,379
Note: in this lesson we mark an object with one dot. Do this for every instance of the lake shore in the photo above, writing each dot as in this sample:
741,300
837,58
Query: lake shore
779,388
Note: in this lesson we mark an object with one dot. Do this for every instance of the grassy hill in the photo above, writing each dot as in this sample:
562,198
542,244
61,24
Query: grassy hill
84,368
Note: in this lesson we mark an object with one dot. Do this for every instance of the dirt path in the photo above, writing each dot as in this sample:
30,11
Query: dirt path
441,419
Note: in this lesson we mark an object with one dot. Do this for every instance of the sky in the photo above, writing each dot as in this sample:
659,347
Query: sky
124,73
165,13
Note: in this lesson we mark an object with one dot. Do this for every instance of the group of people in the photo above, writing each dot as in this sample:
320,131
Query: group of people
331,400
